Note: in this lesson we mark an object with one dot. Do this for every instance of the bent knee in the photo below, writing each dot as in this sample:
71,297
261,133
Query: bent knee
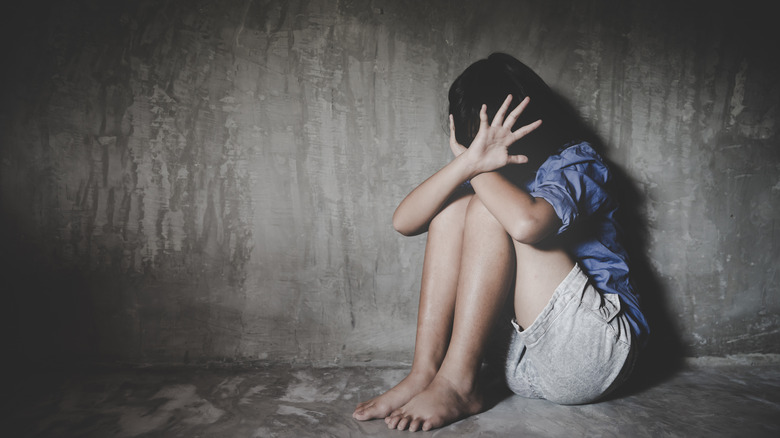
452,216
478,213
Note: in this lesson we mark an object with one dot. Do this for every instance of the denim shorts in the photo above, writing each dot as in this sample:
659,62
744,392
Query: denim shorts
578,349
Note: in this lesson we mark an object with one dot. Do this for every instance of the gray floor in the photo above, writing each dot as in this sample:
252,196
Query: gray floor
707,398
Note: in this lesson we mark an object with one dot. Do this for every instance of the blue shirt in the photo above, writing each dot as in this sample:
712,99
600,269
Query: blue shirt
575,182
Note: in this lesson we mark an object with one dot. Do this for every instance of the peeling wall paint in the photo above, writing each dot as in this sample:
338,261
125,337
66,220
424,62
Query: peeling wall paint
215,180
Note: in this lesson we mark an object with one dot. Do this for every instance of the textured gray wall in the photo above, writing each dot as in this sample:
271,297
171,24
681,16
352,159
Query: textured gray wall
194,180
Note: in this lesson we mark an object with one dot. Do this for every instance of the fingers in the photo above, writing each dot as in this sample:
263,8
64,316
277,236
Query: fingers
525,130
498,122
512,118
501,111
455,147
516,159
483,118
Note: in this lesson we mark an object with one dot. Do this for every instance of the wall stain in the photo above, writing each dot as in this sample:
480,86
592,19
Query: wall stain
216,181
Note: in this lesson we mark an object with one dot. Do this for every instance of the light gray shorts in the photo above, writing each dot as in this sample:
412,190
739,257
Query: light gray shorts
578,349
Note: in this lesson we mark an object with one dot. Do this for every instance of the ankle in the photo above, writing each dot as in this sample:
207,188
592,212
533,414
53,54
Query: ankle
423,373
462,382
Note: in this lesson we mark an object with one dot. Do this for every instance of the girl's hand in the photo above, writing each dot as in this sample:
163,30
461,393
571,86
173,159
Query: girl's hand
455,147
489,150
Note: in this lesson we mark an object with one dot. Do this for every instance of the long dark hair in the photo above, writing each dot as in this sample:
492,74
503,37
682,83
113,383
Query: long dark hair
489,81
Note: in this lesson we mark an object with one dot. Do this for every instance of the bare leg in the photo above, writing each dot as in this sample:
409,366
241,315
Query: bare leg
488,268
490,261
434,319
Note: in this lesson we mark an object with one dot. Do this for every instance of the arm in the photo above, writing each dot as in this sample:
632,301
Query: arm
525,218
487,153
426,200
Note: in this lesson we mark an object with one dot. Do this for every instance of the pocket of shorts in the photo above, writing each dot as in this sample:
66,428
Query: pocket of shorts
609,312
611,306
607,306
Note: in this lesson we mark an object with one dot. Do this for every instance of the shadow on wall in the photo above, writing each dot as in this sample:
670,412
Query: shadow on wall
664,352
48,320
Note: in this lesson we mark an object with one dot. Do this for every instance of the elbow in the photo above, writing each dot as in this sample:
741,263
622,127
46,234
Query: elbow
402,227
528,231
403,230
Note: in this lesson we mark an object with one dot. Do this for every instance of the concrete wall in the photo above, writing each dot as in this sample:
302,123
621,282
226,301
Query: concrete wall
214,180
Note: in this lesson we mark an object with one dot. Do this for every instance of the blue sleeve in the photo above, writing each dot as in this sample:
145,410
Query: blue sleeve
573,182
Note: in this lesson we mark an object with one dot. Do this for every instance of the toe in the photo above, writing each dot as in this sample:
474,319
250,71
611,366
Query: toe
371,411
360,411
404,423
392,421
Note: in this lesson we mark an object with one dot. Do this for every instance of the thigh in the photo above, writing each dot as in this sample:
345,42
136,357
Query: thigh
453,215
539,272
443,249
445,232
444,243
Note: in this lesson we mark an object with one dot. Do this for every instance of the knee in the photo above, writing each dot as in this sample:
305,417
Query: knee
452,216
477,214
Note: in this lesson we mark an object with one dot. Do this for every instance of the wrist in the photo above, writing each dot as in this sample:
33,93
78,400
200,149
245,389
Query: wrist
469,164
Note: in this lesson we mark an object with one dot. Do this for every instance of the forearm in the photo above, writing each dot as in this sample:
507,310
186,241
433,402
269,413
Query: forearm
415,212
525,218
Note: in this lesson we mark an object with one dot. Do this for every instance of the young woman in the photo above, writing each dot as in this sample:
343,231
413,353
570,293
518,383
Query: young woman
524,208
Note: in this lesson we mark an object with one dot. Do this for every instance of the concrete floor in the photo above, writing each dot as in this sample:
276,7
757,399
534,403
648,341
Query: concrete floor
706,398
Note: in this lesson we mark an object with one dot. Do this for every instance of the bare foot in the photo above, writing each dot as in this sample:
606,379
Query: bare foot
440,404
380,407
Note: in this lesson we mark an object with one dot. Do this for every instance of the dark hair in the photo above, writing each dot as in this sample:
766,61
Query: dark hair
489,81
